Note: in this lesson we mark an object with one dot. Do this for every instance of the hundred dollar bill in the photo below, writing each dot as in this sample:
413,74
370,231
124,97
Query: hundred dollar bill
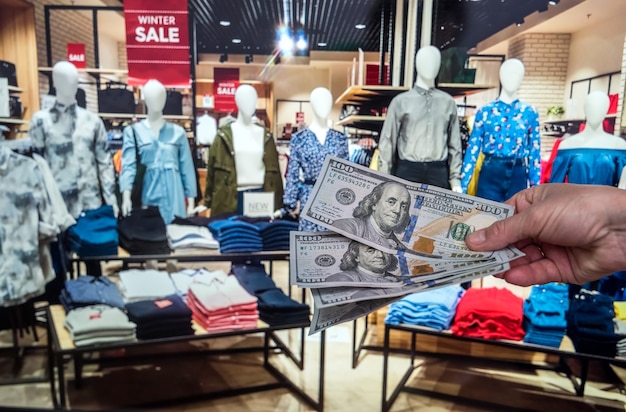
393,214
328,259
327,297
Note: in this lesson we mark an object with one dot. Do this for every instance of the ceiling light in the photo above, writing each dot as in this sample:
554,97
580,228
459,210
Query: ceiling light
519,22
223,57
236,41
224,23
322,44
285,43
553,2
360,26
301,44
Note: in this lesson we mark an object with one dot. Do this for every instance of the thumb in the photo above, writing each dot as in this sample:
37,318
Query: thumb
499,235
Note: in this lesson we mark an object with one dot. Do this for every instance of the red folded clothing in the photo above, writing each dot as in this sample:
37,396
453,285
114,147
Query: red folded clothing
224,326
490,313
192,301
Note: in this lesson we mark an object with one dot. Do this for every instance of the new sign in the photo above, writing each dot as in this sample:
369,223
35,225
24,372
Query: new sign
157,42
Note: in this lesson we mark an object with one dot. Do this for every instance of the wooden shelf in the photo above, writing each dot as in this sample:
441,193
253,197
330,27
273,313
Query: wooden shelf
13,89
384,94
141,116
576,120
118,72
240,81
8,120
364,122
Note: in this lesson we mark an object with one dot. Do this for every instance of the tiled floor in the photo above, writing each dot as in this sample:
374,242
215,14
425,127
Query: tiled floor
161,378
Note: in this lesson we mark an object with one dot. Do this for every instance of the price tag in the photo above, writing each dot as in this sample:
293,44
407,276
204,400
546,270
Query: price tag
256,204
163,303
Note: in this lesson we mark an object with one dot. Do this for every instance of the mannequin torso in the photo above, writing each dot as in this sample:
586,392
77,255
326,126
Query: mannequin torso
248,140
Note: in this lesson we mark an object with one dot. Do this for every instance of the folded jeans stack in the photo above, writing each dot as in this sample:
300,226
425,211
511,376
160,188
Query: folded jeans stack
275,234
99,324
489,313
544,314
432,308
275,308
590,323
95,233
143,232
219,303
89,290
161,318
137,285
187,236
236,236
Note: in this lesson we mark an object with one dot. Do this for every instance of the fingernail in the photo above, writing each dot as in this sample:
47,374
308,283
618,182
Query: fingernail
477,237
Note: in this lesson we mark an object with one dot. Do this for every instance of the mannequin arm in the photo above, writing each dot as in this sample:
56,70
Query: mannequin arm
116,210
191,205
127,204
622,179
457,189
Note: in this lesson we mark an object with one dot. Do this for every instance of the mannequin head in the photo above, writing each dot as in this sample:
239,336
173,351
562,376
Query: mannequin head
246,100
65,78
321,102
427,65
511,76
596,107
154,94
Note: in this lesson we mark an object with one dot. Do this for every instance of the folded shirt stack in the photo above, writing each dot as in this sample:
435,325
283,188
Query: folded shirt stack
590,323
99,324
432,308
489,313
161,318
182,280
95,233
137,285
89,290
621,348
188,237
143,232
236,236
219,303
275,234
275,308
544,314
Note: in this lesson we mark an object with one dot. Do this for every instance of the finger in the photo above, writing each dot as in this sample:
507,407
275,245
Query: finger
536,273
501,233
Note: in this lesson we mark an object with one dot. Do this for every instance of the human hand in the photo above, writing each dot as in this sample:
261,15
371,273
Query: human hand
570,233
116,210
191,206
127,204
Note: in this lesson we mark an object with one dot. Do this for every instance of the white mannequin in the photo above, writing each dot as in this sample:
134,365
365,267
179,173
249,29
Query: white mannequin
65,78
594,137
248,139
511,76
427,65
154,95
321,103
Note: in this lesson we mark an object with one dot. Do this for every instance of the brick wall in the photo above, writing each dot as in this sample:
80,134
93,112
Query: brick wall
545,57
66,26
622,90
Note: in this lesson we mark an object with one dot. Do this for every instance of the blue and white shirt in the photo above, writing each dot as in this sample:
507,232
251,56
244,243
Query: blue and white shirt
505,130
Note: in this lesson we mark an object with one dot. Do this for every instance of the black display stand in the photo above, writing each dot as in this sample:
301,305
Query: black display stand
401,386
60,346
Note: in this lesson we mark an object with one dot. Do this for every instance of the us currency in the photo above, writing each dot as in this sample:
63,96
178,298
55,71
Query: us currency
427,222
329,260
328,297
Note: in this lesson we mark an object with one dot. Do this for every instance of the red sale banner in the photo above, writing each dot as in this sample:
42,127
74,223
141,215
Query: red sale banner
76,55
224,87
157,42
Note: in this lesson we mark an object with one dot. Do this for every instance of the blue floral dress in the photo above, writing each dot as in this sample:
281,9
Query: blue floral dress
306,158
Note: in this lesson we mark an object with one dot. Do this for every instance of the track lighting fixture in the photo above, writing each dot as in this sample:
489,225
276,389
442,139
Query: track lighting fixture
223,57
248,58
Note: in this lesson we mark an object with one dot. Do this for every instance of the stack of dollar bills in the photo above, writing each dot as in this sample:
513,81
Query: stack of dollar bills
387,238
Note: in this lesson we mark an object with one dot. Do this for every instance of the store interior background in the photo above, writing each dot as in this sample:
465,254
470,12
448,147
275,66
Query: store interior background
574,40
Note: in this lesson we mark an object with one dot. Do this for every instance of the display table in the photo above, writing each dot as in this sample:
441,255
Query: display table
566,351
61,346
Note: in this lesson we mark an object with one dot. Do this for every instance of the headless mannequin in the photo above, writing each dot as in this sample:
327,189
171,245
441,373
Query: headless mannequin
594,137
321,103
248,135
154,95
511,76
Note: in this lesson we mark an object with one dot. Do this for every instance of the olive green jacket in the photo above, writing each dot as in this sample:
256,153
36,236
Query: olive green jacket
220,194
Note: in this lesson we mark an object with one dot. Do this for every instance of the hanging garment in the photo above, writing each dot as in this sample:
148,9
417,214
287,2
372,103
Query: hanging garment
170,176
206,129
307,156
503,130
588,166
26,225
74,143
